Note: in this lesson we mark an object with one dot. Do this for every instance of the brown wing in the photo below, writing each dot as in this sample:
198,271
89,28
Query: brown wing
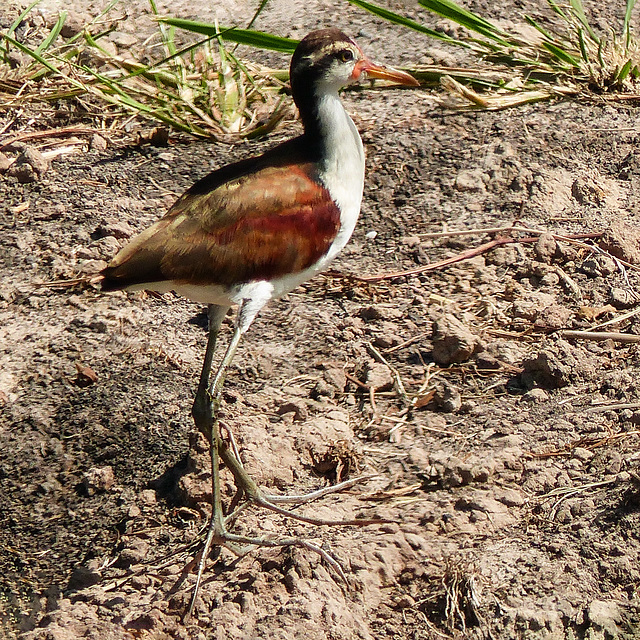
264,223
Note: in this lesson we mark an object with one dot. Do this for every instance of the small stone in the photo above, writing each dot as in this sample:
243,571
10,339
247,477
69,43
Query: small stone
550,279
336,377
122,40
583,454
116,228
5,162
93,266
73,25
148,496
98,143
378,377
134,511
622,240
98,480
621,298
545,248
470,180
536,395
453,342
29,166
447,397
510,497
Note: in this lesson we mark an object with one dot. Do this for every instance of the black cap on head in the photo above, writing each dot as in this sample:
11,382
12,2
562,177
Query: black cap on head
315,43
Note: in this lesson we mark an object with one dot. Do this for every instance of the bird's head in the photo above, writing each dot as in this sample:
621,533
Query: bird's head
327,60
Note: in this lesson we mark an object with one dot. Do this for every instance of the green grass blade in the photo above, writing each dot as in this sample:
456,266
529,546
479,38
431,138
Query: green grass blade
556,9
257,39
259,10
43,61
624,72
578,12
627,22
539,27
395,18
55,32
21,17
584,51
561,54
473,22
16,23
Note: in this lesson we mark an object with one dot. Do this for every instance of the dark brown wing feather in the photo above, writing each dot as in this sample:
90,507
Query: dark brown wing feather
257,219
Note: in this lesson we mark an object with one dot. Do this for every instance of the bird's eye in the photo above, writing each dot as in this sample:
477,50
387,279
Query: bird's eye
346,55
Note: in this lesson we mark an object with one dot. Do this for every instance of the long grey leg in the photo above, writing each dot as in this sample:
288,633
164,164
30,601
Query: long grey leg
202,411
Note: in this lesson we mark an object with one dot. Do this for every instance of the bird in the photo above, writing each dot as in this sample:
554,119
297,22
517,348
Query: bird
252,231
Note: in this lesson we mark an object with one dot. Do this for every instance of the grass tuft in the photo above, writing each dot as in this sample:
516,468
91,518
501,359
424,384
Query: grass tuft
203,89
567,58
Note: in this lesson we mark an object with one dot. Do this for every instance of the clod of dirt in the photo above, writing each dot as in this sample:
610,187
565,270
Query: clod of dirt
447,397
553,317
5,162
98,143
622,298
134,552
451,471
622,241
598,266
29,166
297,407
84,576
116,228
380,312
453,342
98,480
546,248
588,190
605,615
470,180
558,365
378,377
335,460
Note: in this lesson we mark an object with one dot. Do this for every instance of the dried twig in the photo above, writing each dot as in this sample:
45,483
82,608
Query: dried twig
49,133
601,336
472,253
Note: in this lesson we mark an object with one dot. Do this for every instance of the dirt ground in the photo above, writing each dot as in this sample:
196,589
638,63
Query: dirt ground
511,485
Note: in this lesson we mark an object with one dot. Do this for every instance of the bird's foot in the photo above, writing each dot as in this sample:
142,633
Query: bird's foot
249,494
218,536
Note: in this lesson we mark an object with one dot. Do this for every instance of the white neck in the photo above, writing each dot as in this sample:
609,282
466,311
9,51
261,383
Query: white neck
342,164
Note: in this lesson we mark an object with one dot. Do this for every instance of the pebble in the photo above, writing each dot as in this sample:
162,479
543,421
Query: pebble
536,395
453,342
545,248
378,377
447,397
29,166
98,479
98,143
5,162
470,180
116,228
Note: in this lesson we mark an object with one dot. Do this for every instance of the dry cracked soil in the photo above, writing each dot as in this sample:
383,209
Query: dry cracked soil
504,450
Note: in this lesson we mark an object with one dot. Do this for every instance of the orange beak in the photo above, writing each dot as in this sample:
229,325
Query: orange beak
378,71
